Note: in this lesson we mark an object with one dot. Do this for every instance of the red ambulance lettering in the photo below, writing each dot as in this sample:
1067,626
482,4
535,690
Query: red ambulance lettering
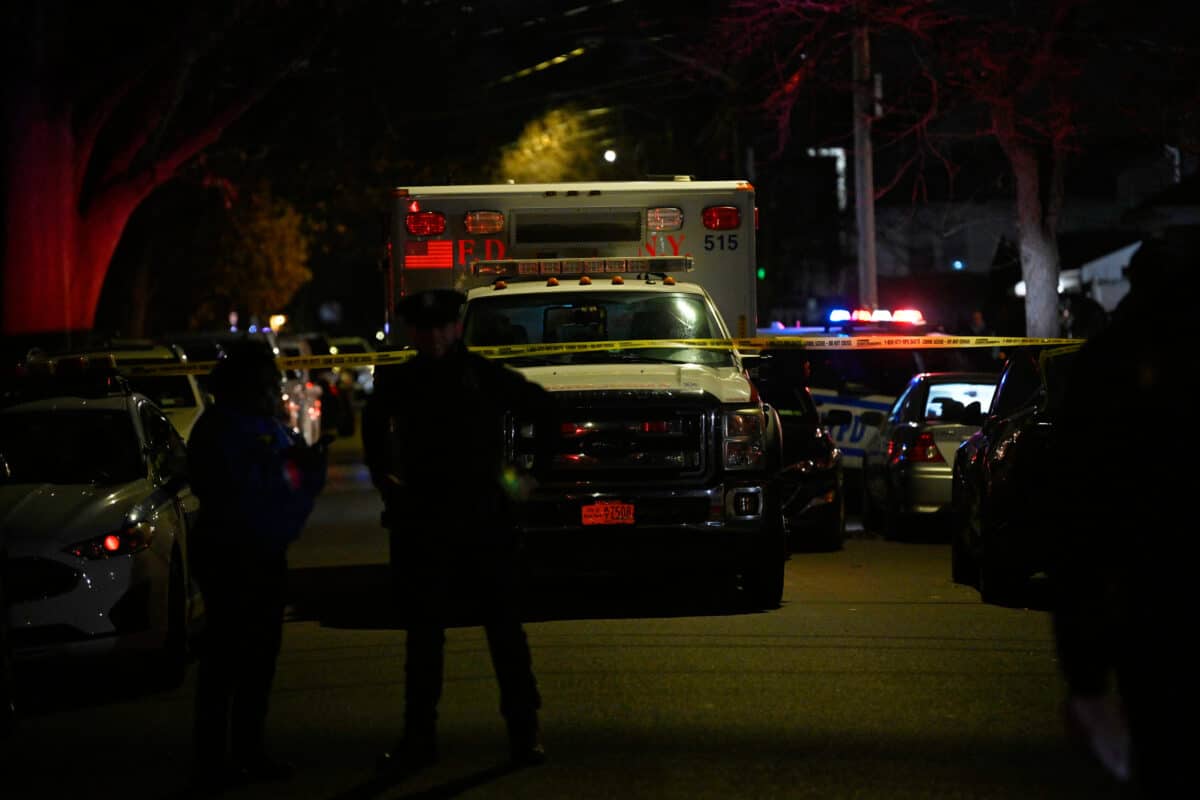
492,248
652,247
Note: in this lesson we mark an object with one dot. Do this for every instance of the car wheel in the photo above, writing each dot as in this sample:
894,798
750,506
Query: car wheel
998,585
872,519
762,584
962,571
834,529
964,566
170,666
891,519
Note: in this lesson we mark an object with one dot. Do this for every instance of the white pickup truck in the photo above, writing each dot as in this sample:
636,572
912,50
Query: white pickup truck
664,454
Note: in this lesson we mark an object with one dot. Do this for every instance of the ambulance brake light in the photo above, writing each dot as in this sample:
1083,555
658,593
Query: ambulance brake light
483,222
425,223
721,218
664,219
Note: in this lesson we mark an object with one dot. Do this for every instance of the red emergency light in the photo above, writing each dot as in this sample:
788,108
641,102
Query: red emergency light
425,223
721,218
664,219
479,223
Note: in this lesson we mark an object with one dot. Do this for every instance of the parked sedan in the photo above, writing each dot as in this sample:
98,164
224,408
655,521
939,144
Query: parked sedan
907,465
1003,479
93,503
810,478
178,396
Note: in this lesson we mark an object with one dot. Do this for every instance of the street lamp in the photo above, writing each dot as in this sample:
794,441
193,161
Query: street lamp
610,156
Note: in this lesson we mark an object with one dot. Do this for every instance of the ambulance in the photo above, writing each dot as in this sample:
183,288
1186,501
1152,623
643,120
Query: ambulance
439,232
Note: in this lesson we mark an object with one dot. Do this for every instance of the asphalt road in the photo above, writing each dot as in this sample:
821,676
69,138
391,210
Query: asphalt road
878,678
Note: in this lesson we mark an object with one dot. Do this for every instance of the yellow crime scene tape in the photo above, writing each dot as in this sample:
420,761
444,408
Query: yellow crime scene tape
749,345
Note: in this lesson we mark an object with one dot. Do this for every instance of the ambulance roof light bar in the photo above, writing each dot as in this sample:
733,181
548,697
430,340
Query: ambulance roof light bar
537,268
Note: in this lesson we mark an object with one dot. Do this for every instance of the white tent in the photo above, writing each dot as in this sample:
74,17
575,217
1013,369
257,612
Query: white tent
1102,279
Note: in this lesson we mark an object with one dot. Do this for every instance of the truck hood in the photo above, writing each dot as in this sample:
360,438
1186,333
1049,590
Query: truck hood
725,383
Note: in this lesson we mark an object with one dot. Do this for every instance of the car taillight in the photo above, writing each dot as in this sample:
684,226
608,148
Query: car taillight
425,223
123,542
721,218
925,450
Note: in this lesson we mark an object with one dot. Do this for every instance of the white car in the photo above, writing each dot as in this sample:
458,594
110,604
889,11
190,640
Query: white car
302,394
179,396
363,375
93,503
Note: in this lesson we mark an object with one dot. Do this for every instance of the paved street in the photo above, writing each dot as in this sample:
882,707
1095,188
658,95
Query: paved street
878,678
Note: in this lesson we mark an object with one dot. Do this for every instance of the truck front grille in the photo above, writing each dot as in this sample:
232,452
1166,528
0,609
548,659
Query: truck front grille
621,435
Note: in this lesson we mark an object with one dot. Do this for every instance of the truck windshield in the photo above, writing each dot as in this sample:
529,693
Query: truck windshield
598,317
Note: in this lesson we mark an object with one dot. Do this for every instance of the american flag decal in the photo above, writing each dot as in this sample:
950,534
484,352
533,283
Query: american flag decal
437,254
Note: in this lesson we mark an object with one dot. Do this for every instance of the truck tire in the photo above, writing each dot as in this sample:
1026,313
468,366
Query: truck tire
762,584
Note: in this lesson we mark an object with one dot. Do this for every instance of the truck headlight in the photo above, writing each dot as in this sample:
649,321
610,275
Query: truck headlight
744,442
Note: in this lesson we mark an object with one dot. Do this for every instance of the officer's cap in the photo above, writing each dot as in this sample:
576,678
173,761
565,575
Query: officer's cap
430,308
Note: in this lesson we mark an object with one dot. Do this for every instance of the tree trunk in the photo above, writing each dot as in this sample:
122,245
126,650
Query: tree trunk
1039,197
140,292
55,259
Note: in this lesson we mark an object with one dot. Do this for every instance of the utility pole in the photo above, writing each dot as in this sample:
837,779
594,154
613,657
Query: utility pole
864,174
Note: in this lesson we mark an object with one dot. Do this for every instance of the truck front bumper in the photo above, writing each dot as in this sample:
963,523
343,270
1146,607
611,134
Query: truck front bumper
724,527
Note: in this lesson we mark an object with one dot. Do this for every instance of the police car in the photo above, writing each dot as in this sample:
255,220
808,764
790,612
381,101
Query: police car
865,382
93,505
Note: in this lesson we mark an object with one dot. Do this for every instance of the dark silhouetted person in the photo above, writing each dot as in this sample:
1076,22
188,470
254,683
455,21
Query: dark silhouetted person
1123,583
434,441
977,324
256,481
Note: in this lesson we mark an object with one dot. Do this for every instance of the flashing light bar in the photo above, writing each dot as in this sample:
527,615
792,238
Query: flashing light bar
533,268
911,316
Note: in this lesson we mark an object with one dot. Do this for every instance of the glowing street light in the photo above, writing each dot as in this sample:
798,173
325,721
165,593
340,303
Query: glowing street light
610,156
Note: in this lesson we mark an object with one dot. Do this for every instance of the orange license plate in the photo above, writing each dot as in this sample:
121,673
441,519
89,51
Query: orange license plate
608,512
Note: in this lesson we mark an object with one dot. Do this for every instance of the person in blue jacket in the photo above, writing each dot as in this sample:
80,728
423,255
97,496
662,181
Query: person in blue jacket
256,481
